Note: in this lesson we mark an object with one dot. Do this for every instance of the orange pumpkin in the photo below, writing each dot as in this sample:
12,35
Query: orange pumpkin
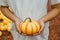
0,33
4,23
29,27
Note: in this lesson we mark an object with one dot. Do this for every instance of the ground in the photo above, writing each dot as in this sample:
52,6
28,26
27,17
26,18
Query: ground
55,29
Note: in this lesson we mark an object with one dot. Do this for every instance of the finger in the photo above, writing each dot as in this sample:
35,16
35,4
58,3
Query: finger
24,34
35,34
18,30
41,30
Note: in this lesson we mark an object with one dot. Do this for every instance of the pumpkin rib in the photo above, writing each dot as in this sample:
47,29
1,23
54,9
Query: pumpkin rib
32,29
38,27
29,29
21,26
26,22
26,28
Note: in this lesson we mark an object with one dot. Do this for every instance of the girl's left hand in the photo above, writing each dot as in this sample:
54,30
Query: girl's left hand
42,27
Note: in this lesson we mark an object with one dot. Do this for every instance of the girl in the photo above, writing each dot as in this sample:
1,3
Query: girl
35,9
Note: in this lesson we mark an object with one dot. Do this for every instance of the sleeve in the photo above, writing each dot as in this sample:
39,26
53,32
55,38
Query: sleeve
3,3
55,2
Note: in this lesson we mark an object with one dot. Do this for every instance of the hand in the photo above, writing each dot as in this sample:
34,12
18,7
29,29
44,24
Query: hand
17,24
42,27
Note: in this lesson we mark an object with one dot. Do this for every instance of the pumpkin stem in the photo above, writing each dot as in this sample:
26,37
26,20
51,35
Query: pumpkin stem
29,19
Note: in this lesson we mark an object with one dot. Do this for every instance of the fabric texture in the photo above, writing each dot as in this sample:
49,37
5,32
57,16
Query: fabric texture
3,3
43,36
55,2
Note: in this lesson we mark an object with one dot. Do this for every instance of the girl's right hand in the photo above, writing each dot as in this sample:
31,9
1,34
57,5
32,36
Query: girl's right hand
17,24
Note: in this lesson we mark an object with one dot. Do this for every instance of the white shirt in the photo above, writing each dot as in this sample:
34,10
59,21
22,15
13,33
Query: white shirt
27,8
34,9
53,2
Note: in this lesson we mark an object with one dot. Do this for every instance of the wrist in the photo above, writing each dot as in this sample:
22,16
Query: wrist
44,19
17,20
42,23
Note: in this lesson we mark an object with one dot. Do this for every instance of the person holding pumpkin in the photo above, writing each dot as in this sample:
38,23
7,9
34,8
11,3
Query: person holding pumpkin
35,9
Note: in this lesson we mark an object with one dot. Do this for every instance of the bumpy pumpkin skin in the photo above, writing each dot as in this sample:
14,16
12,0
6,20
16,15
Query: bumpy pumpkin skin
0,33
4,23
29,27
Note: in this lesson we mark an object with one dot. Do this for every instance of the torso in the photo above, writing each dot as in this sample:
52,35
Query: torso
28,8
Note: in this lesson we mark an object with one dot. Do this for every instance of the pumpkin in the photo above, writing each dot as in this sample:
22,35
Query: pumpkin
0,33
29,27
4,23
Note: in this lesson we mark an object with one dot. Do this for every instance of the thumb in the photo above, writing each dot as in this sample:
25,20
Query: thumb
18,28
42,26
